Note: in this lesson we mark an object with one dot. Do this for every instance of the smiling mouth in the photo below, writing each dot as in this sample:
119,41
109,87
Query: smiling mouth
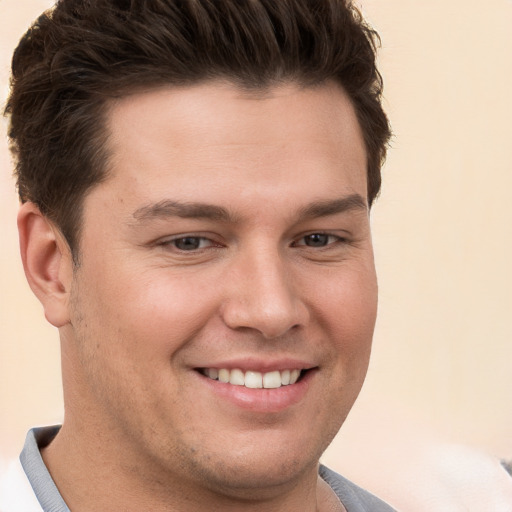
252,379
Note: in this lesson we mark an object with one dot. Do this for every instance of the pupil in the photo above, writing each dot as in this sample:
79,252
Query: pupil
187,244
317,240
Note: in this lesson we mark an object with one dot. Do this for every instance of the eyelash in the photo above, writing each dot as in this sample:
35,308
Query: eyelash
201,239
334,240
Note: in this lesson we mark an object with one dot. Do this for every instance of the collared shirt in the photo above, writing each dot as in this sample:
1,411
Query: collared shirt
28,486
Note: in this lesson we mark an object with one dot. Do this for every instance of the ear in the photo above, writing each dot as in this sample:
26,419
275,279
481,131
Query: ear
47,262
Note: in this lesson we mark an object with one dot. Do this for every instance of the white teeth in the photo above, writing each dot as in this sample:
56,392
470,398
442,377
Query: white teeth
224,375
237,378
272,380
294,375
213,373
253,380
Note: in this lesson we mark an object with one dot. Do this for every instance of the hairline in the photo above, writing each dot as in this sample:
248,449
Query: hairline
251,90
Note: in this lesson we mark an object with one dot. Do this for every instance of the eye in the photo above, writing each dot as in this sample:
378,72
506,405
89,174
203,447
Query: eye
318,240
189,243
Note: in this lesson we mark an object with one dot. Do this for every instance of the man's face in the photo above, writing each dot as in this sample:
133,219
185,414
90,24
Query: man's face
232,238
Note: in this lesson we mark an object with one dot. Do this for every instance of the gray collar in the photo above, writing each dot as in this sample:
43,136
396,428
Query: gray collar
353,497
44,487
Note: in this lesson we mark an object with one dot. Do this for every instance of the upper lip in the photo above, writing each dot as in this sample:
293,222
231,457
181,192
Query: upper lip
260,365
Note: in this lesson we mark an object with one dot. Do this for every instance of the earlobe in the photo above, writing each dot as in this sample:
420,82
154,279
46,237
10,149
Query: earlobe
47,262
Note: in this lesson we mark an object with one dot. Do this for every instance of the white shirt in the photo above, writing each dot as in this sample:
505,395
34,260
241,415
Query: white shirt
16,493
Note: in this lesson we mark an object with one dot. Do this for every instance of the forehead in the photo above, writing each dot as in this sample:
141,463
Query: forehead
221,113
197,139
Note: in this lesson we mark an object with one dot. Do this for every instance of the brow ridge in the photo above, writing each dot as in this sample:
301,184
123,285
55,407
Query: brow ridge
188,210
333,206
196,210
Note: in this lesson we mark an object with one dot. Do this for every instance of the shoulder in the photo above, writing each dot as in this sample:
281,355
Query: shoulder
16,494
507,464
355,498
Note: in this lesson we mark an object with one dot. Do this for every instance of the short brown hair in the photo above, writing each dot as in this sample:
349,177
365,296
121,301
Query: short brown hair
82,53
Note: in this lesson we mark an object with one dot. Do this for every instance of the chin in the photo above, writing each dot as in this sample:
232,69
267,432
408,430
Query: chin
249,469
257,479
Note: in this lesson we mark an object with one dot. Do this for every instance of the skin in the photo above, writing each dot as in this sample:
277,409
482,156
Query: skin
143,429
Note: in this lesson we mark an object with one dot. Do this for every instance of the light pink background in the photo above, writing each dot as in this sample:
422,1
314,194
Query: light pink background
441,371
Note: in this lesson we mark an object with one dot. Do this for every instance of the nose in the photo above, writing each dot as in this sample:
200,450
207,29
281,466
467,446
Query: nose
261,295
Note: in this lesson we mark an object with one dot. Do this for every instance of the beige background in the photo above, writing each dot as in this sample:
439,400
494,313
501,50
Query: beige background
441,371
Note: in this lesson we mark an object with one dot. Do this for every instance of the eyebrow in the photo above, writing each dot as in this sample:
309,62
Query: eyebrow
190,210
193,210
333,207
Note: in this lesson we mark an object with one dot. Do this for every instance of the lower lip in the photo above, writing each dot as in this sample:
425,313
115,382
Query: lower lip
261,400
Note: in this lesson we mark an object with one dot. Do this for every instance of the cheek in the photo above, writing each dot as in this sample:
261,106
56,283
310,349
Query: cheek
129,327
346,311
347,304
147,309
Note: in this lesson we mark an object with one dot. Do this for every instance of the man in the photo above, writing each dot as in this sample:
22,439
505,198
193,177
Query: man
195,180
